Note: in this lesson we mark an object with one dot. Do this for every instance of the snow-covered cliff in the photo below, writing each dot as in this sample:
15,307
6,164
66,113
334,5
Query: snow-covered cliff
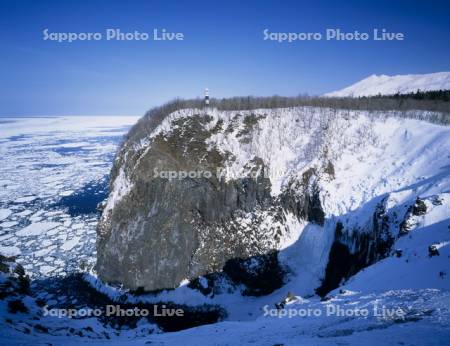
307,184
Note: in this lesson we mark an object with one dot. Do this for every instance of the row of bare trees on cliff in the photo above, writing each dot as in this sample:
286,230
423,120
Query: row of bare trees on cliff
434,109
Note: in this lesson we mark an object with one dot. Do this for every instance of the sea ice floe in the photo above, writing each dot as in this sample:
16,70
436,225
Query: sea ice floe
25,199
10,250
4,214
59,262
29,243
47,242
53,231
45,251
45,269
24,213
70,244
5,237
8,224
53,213
37,228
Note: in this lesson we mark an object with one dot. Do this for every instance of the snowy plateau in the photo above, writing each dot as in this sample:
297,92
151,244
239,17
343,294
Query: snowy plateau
382,180
390,85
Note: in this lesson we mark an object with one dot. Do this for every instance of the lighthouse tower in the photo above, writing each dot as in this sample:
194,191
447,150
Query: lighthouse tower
206,97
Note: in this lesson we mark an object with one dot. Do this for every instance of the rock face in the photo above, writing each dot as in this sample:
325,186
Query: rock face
159,227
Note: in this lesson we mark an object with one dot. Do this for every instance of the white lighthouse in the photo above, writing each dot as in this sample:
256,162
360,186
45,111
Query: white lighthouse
206,97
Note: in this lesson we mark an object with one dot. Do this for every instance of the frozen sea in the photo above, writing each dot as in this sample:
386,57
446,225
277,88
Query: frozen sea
53,173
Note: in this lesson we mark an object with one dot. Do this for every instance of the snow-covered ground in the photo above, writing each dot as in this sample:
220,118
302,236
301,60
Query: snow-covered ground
389,85
405,317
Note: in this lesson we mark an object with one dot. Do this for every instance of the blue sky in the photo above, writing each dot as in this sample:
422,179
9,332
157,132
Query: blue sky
223,49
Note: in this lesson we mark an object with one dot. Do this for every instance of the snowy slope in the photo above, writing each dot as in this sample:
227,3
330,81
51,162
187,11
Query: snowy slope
389,85
414,269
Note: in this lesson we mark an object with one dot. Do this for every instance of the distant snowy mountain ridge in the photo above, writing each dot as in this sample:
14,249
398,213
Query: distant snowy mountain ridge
390,85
